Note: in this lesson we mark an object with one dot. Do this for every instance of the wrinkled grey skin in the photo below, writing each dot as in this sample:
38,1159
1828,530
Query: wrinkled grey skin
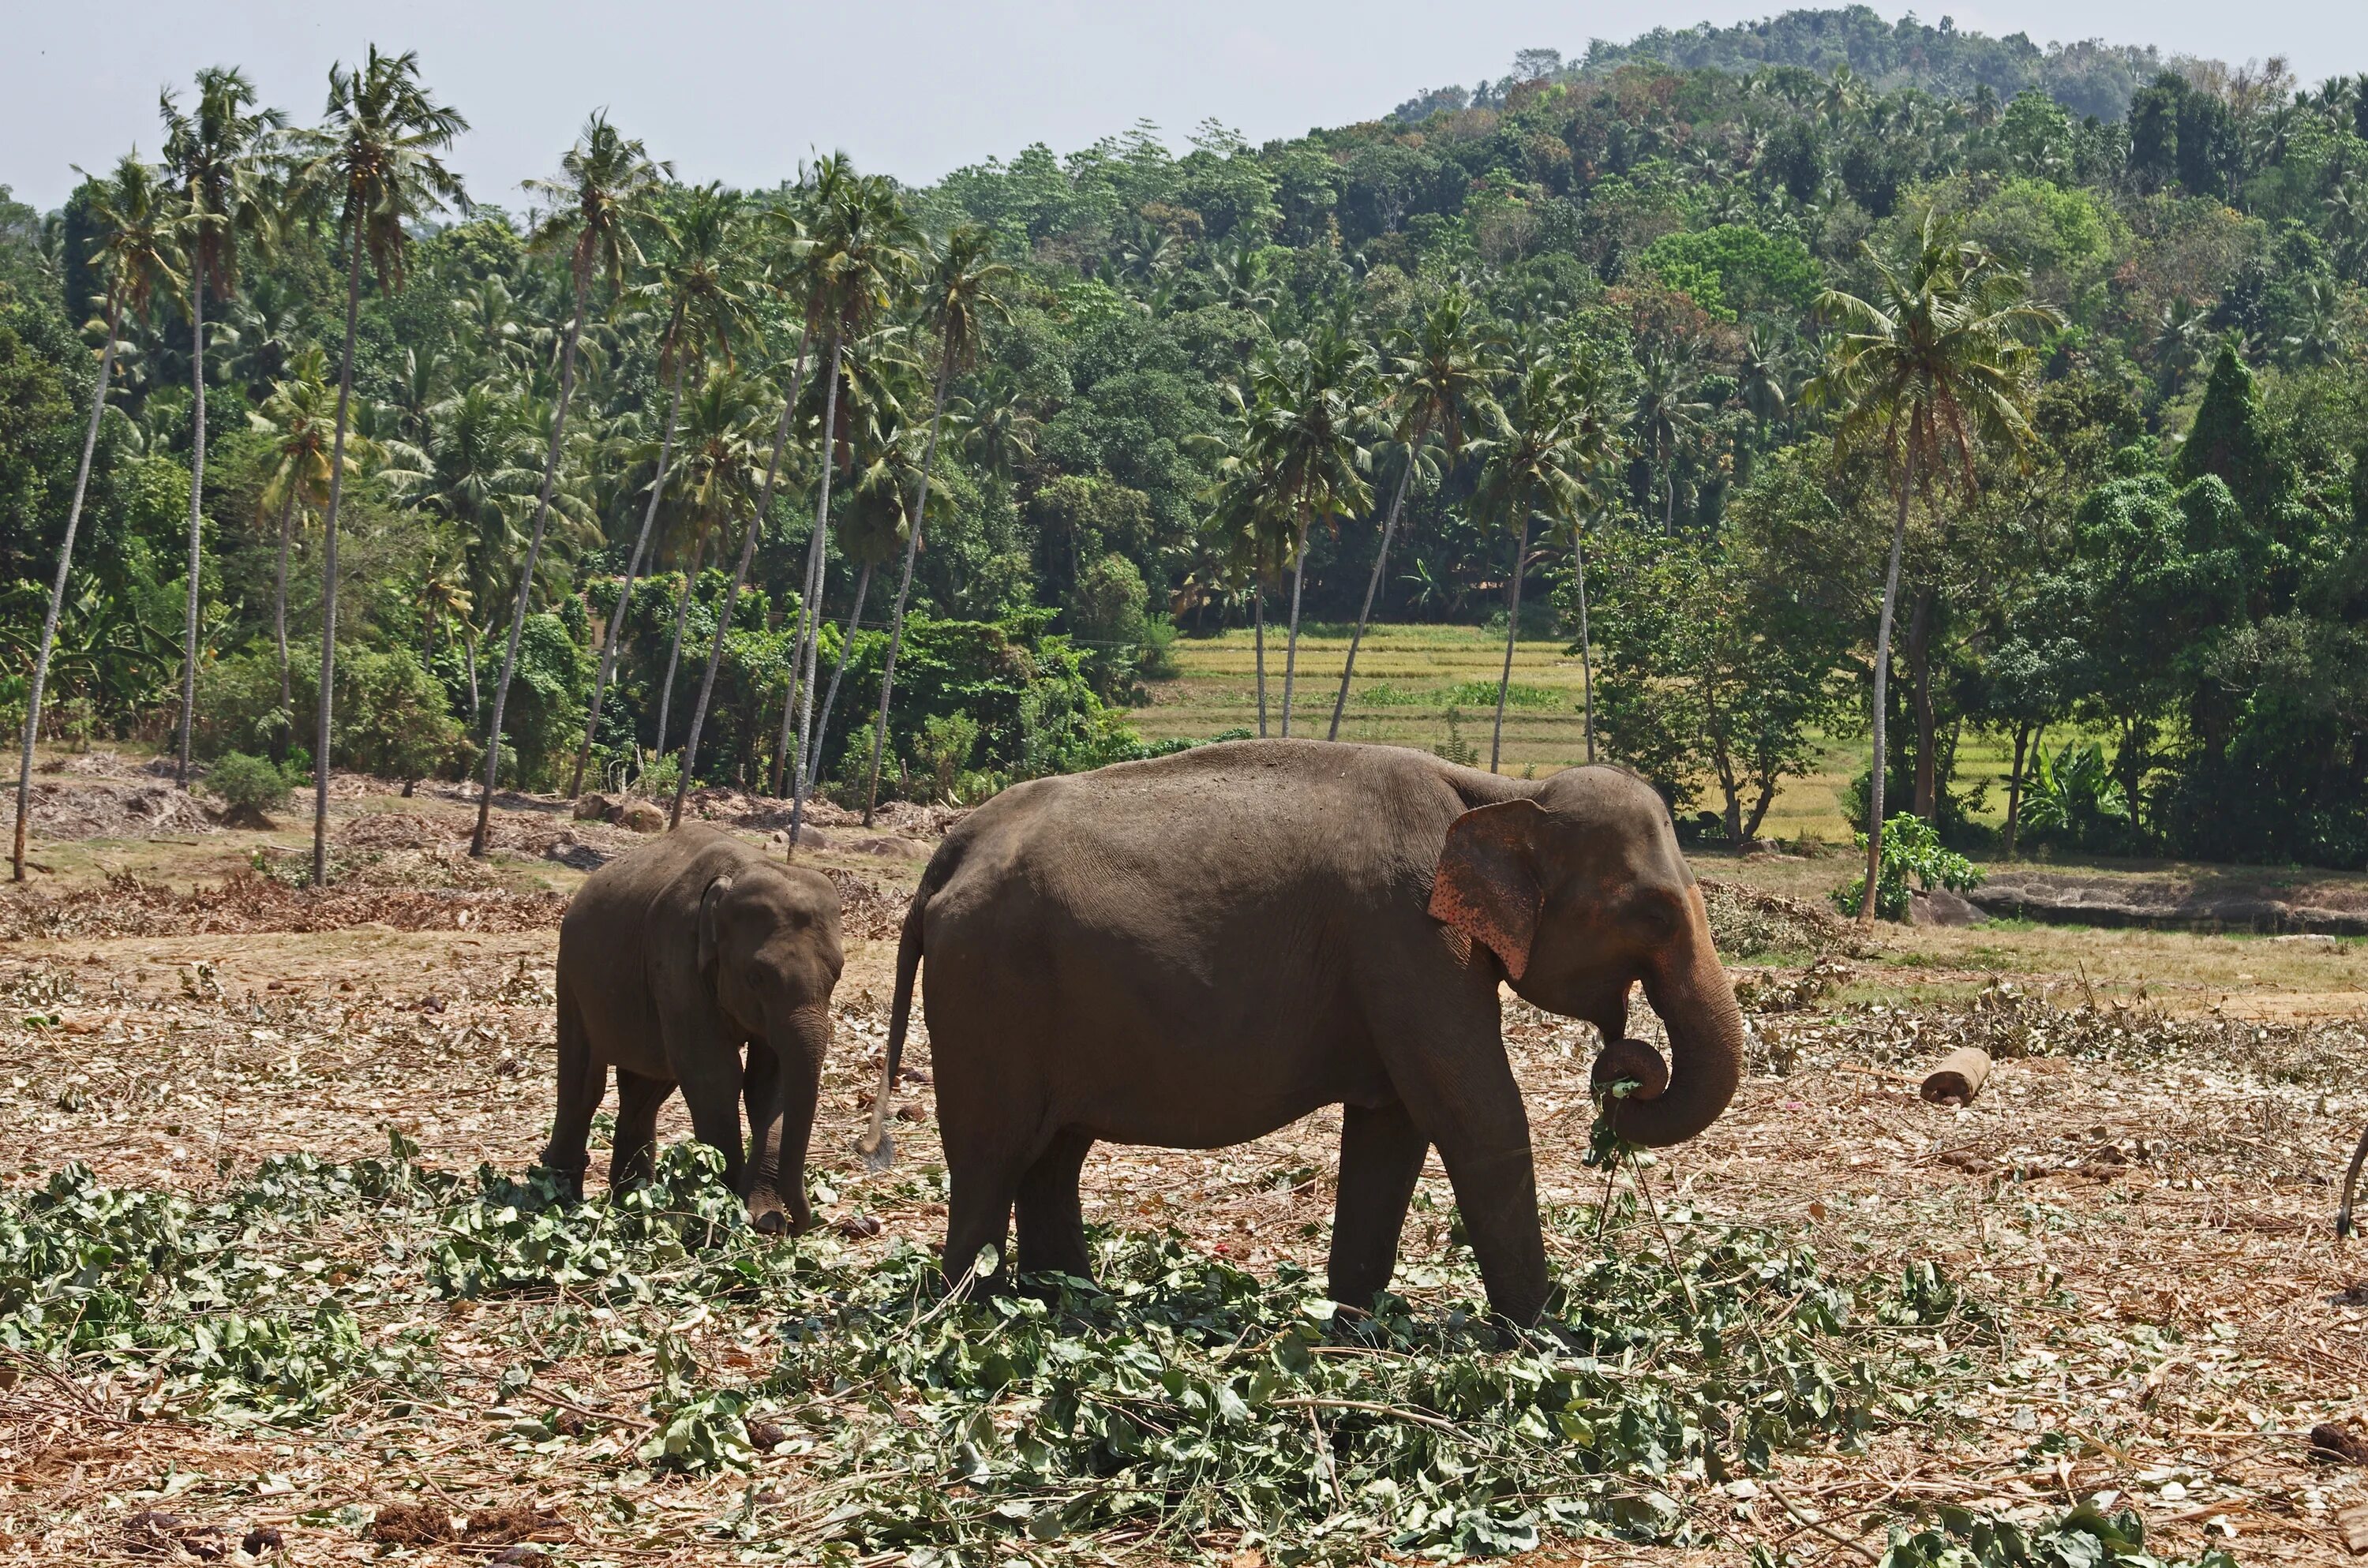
672,958
1194,951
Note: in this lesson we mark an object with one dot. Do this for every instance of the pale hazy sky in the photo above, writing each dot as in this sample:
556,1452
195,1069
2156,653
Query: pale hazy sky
740,92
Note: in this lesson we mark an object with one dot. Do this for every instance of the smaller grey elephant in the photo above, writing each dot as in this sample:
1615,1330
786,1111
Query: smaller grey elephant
672,958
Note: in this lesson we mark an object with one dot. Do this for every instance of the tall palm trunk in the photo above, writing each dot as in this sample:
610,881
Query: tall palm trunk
1512,632
279,598
904,591
799,786
468,652
1883,683
1290,641
525,574
1586,654
674,649
1919,702
1258,642
839,668
321,734
1373,588
748,547
625,598
58,590
197,505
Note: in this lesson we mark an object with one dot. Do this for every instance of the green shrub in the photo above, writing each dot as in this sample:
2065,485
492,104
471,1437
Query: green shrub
392,716
943,751
248,785
1910,848
2071,798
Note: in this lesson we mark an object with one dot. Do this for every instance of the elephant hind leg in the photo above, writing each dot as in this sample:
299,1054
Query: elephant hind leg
1381,1152
978,1210
582,1084
638,1099
1051,1220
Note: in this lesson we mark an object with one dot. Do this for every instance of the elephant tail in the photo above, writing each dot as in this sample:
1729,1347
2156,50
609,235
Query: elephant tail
878,1148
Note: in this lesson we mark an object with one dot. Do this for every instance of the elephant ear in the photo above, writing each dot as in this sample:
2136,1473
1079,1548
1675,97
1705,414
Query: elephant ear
709,908
1486,885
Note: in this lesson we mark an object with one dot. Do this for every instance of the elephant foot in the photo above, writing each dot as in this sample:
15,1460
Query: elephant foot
768,1216
569,1184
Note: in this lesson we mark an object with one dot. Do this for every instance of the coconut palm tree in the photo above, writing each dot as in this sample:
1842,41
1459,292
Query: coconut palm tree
876,520
218,157
1929,371
853,256
874,449
1552,436
376,162
722,431
444,595
956,301
1666,409
695,289
136,245
296,420
606,179
1310,401
1244,527
1438,373
787,274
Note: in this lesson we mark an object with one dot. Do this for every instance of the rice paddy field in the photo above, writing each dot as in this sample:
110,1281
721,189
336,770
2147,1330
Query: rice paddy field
1425,686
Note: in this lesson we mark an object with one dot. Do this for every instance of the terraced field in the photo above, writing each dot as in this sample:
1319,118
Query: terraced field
1423,686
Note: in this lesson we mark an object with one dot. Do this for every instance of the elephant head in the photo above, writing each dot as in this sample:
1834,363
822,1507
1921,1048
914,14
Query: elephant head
1579,891
768,943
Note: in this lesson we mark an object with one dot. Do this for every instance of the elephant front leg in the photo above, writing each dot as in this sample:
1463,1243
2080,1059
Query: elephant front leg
1458,1086
1381,1159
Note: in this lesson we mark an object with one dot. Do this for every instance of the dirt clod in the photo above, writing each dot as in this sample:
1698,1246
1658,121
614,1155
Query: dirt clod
2333,1444
411,1524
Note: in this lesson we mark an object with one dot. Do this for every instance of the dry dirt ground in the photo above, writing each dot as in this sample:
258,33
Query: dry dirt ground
2142,1203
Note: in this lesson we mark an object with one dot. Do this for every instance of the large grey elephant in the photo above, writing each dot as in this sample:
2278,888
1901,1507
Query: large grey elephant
1192,951
672,958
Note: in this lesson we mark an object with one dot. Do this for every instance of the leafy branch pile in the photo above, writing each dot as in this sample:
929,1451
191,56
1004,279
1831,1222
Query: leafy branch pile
239,1308
1185,1397
1179,1401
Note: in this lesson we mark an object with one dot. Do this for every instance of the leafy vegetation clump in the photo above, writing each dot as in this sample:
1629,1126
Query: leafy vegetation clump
1182,1396
1911,847
2082,1538
1180,1399
248,786
239,1308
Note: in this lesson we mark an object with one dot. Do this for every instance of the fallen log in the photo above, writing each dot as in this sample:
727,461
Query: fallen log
1958,1078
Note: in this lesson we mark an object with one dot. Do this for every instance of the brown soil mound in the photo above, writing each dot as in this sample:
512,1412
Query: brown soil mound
583,845
865,909
764,813
109,809
400,830
1746,921
126,906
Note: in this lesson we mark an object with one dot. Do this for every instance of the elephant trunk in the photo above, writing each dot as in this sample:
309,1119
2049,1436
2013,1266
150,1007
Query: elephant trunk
1696,1001
799,1047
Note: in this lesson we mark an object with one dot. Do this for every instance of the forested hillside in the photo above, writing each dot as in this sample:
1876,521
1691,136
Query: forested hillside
1711,313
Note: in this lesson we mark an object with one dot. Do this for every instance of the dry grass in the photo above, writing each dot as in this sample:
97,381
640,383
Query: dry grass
2144,1205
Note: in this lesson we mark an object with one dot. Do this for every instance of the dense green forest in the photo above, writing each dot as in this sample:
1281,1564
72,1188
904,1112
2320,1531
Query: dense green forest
1658,350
